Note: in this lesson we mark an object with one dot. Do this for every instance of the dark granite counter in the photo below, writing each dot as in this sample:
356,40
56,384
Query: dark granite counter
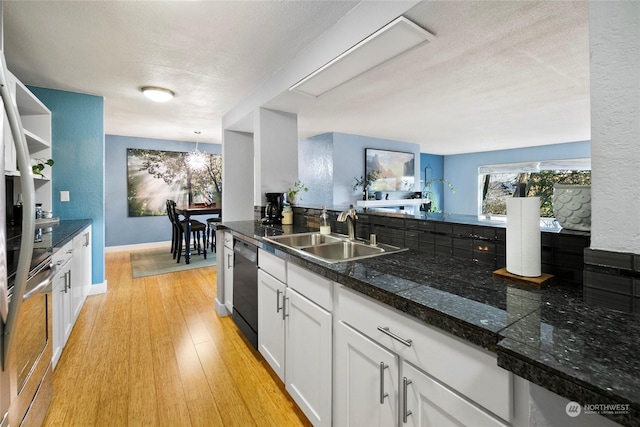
47,239
550,337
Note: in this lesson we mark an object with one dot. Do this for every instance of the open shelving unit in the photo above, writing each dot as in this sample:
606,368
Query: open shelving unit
36,120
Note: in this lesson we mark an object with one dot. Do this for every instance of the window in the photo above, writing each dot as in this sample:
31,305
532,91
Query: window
498,182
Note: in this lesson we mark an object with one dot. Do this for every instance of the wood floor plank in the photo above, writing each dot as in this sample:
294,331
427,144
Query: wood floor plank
152,352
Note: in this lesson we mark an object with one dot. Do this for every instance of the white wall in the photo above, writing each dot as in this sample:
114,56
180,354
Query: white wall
237,170
614,37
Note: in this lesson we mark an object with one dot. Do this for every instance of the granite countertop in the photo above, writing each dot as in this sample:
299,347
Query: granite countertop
48,238
550,337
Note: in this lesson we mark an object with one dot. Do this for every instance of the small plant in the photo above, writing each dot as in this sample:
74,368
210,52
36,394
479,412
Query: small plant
297,187
366,181
39,166
427,193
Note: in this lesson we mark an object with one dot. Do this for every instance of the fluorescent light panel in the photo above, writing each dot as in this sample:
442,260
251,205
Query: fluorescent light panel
388,42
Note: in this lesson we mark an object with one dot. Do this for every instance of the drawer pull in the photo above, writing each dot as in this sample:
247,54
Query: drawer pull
382,393
385,330
405,386
278,308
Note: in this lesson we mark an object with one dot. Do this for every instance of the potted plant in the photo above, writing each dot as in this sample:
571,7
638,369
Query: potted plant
365,182
39,166
292,193
427,193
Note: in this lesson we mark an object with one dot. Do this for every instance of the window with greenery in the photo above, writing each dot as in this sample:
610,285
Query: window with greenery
499,182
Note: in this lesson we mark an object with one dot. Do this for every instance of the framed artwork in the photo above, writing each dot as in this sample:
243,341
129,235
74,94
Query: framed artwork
395,169
153,176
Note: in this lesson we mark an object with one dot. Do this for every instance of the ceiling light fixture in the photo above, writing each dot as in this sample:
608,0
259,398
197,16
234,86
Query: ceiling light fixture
388,42
197,160
157,94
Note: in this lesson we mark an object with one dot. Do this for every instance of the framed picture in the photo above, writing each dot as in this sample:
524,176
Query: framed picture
395,169
153,176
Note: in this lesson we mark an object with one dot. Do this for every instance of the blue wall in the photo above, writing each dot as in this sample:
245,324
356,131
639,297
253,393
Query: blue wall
347,152
121,229
462,169
436,164
78,151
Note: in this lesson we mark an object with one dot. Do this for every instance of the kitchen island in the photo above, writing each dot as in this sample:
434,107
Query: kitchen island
549,337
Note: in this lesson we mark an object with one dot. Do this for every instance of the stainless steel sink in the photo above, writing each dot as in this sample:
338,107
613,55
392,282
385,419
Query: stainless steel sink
334,247
341,251
303,239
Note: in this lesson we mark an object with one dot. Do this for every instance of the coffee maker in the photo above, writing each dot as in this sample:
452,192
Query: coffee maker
273,211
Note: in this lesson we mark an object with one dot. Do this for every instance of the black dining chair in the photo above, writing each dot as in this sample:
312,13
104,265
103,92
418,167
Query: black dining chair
198,231
211,230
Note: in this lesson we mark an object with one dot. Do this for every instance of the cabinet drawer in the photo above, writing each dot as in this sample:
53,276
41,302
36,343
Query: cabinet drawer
315,287
228,240
468,369
277,267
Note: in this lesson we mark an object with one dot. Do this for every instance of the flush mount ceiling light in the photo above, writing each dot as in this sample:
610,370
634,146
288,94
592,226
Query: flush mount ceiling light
157,94
388,42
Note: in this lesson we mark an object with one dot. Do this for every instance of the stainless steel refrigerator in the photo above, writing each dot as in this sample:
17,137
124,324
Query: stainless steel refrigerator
10,307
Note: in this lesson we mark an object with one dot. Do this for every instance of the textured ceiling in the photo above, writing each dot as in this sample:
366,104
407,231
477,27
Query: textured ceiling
211,53
498,75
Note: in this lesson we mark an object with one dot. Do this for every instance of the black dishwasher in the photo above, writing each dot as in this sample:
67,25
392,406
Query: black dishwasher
245,290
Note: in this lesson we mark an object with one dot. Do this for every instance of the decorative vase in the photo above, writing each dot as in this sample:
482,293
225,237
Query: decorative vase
572,206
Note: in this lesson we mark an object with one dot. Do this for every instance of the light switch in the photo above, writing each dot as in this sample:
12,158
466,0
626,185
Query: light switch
64,196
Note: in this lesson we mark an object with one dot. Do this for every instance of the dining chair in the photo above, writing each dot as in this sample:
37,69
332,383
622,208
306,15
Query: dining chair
198,230
211,230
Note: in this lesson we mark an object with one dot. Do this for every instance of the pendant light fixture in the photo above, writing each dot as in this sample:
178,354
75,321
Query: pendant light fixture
197,160
157,94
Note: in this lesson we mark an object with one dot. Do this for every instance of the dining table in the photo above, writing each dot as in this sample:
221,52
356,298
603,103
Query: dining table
188,212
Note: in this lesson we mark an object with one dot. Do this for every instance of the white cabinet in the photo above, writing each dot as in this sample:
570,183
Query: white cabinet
308,356
295,333
427,402
81,277
446,378
69,287
366,381
271,321
62,303
228,272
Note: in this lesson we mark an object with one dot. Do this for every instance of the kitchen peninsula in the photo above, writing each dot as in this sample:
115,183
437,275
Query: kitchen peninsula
549,337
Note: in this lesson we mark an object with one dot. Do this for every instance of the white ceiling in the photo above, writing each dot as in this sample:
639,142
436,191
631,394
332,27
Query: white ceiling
498,74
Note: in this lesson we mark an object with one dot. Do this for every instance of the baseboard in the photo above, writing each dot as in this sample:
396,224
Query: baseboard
221,309
98,288
128,248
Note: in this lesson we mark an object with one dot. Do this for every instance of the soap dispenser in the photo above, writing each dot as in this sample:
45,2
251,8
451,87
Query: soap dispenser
325,228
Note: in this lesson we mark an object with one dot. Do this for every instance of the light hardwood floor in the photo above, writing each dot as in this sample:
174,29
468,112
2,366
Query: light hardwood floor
152,351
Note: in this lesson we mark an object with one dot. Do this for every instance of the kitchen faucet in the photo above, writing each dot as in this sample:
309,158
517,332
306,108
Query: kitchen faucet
351,217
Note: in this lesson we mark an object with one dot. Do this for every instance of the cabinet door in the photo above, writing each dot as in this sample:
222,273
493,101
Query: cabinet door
366,379
228,278
77,277
427,402
58,288
271,321
87,262
308,357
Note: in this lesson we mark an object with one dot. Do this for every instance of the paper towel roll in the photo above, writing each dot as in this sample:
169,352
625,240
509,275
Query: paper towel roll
523,236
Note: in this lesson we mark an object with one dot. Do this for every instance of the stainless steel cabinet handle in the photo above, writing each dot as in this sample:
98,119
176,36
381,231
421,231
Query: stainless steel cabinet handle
382,393
86,241
385,330
284,308
405,386
69,279
278,308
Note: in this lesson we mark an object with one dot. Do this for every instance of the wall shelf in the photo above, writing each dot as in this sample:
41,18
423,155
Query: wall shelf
386,203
